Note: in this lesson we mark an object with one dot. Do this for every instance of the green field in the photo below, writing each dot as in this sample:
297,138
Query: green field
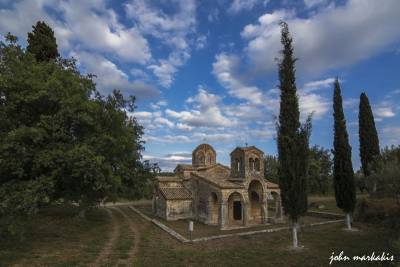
57,238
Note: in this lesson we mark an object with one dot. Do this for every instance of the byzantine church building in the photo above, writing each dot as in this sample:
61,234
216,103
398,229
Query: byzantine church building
215,194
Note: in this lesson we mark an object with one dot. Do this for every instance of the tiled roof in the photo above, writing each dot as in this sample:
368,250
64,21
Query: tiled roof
220,181
185,167
174,193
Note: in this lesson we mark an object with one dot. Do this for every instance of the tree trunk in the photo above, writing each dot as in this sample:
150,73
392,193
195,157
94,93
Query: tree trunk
348,221
294,233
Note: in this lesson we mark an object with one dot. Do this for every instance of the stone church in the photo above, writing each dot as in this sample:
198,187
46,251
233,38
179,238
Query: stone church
215,194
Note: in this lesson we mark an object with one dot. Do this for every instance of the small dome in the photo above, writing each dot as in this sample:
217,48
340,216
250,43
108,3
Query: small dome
204,155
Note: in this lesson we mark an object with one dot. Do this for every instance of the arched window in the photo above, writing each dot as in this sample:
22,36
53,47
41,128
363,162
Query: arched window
251,164
257,164
200,158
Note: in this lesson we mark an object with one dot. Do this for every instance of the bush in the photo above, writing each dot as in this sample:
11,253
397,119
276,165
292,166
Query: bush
383,212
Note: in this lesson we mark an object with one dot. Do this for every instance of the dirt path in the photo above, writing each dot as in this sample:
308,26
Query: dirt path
136,238
106,251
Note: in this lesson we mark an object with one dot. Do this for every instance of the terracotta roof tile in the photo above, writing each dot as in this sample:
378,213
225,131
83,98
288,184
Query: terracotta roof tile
174,193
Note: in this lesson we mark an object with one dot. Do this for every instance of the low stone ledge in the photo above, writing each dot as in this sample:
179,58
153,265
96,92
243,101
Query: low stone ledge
201,239
325,215
162,226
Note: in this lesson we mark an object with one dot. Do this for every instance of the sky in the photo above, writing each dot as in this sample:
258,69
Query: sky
206,71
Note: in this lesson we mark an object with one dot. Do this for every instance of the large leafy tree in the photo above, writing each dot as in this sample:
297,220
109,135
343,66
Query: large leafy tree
320,170
369,141
42,43
293,139
60,139
343,173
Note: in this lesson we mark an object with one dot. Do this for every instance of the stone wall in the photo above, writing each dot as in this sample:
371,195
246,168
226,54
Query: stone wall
160,206
178,209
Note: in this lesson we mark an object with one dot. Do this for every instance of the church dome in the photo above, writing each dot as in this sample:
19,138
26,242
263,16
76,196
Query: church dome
204,155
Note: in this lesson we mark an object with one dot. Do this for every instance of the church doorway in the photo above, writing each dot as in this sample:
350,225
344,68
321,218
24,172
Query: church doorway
237,210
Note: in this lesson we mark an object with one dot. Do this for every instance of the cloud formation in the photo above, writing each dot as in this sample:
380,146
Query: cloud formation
174,30
335,37
110,77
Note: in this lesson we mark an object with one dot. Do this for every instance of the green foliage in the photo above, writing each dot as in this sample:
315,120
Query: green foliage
320,170
293,138
387,178
271,166
343,174
60,139
390,154
369,141
360,181
42,43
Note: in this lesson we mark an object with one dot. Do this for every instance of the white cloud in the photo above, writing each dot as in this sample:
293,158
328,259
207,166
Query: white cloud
143,115
320,84
205,112
164,121
201,42
95,27
168,139
87,23
110,77
168,162
332,38
244,5
351,103
313,3
164,72
387,108
384,112
159,104
98,28
173,29
313,103
184,127
225,69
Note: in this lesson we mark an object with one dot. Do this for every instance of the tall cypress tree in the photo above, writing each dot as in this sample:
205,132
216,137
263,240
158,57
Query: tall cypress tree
42,43
343,174
292,139
369,141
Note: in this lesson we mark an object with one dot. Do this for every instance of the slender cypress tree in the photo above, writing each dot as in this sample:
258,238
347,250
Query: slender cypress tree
343,174
42,43
292,139
369,141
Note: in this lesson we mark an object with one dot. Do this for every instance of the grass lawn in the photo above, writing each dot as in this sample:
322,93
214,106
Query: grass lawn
56,237
328,202
270,249
203,230
59,239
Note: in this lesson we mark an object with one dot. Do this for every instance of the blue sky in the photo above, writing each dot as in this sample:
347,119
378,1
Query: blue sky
205,71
